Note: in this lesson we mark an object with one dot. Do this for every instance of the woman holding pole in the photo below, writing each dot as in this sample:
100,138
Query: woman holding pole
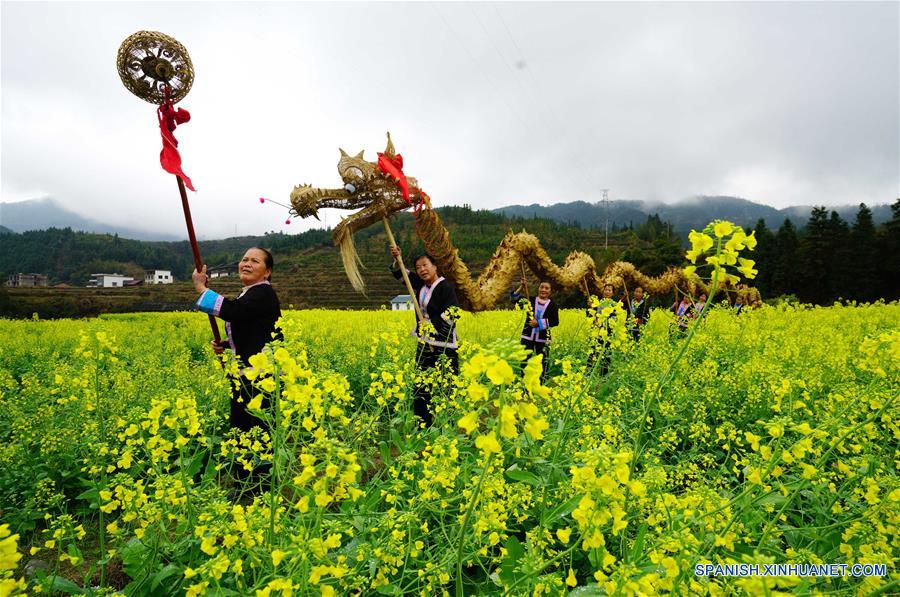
638,309
434,296
536,332
250,324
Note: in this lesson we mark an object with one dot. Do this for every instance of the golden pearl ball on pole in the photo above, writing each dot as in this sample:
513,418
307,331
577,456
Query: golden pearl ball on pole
149,61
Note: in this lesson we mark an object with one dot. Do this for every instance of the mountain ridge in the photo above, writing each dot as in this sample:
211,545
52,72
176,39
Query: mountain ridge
691,213
684,215
46,212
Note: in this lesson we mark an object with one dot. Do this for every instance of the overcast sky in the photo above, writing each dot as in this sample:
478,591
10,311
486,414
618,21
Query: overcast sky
490,104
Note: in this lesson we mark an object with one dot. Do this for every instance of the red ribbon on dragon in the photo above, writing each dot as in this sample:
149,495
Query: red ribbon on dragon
169,158
393,168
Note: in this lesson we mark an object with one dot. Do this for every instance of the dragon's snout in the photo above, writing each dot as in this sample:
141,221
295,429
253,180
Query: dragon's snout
303,198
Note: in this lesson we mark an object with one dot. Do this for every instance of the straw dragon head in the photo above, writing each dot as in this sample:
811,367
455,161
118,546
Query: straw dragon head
367,188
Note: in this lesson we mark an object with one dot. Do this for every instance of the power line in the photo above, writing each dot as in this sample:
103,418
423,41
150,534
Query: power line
478,66
585,166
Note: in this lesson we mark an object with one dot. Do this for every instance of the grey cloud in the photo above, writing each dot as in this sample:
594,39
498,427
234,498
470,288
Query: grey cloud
781,103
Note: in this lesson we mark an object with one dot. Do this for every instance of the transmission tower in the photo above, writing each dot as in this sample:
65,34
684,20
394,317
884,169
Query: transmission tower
605,202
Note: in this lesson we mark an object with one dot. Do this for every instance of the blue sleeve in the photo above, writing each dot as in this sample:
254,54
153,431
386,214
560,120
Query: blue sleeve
210,302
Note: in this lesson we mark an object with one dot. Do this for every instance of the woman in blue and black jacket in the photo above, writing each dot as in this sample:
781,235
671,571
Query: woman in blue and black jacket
436,296
249,324
536,335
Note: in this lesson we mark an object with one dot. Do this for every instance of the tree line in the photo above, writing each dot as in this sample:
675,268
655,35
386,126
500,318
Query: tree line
830,259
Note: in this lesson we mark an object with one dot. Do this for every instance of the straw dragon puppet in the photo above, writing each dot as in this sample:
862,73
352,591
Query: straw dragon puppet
378,189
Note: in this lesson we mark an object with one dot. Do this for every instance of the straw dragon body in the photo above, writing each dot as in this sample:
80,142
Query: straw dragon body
375,194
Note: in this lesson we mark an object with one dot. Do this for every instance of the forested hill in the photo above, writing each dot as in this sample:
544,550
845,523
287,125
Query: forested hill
71,257
825,260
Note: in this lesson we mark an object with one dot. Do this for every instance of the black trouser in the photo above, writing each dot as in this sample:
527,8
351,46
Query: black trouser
679,330
240,417
636,331
539,348
427,357
601,350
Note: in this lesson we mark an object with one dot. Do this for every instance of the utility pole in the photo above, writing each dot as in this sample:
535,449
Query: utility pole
606,208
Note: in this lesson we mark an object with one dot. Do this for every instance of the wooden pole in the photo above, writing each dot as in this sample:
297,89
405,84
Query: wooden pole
399,260
524,280
198,263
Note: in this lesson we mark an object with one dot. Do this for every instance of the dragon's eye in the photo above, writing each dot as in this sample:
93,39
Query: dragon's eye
354,172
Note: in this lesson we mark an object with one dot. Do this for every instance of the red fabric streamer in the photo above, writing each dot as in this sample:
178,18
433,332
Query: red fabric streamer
393,168
169,158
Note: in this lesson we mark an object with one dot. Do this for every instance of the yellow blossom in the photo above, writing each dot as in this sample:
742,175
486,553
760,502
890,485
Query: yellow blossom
488,444
500,373
277,556
469,422
535,427
722,228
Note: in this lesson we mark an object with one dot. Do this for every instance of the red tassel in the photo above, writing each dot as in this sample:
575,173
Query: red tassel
169,158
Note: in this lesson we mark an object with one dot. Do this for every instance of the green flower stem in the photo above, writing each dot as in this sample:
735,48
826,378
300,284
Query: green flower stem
661,385
101,423
465,524
560,556
274,484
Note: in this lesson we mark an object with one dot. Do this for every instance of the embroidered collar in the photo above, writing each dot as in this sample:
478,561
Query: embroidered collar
425,295
246,288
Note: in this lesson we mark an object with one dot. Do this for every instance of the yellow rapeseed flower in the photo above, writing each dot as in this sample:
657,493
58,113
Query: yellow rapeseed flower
508,422
500,373
746,268
535,427
488,444
469,422
277,556
9,556
722,228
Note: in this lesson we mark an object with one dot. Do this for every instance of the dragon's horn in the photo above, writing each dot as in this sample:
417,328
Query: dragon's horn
343,153
360,154
389,151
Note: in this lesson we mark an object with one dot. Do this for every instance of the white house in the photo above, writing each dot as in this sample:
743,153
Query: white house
158,276
223,271
26,280
109,280
401,302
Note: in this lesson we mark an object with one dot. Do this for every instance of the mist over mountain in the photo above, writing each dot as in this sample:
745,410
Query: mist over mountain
693,213
41,214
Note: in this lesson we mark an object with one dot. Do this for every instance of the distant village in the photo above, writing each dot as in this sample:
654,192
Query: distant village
401,302
154,276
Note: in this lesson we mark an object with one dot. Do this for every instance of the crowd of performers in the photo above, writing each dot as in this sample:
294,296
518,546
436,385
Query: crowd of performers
250,323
